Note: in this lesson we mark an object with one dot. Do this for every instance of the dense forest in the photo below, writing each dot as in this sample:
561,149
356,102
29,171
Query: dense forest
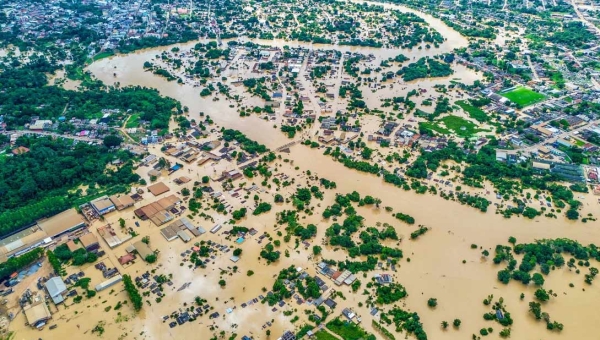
26,94
35,184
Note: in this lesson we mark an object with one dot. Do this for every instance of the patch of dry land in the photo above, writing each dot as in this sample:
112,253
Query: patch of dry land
264,232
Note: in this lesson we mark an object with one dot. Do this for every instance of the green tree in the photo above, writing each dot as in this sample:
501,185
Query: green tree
456,323
432,302
111,141
536,309
537,279
572,214
542,295
132,291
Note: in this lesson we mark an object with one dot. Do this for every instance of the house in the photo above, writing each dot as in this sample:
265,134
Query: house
330,303
102,205
348,313
158,212
543,150
56,288
543,131
122,201
383,279
126,259
73,246
158,188
288,335
89,242
184,236
231,174
40,125
113,280
37,313
143,249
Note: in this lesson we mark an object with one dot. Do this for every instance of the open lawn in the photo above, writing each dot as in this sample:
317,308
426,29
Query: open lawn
473,112
348,330
103,55
454,125
324,335
133,122
523,96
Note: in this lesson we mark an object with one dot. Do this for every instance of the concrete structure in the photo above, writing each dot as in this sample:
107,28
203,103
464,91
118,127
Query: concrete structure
102,205
125,259
89,242
158,212
56,288
73,246
110,236
143,249
37,313
113,280
158,188
42,234
184,236
122,202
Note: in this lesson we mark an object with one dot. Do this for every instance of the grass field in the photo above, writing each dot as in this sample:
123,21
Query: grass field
523,96
473,112
453,125
323,335
347,330
103,55
133,122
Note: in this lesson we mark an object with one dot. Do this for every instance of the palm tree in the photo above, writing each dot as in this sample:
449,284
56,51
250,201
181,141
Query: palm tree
444,324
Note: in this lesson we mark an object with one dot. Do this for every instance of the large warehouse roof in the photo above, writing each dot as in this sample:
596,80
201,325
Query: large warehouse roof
57,224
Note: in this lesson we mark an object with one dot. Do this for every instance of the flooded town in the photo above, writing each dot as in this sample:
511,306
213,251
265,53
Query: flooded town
299,170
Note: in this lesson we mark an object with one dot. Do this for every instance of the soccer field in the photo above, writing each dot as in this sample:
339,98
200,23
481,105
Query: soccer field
523,96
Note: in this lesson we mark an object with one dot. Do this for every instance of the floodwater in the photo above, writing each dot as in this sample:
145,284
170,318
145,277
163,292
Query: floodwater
436,268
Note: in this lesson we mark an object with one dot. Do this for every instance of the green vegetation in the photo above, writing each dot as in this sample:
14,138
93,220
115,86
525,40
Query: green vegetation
403,320
348,330
474,112
17,263
453,124
387,334
523,96
78,257
247,144
39,183
389,293
548,254
132,291
262,208
405,218
425,68
269,253
324,335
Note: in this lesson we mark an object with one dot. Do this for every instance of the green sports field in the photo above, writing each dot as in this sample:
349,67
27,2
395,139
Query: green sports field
523,96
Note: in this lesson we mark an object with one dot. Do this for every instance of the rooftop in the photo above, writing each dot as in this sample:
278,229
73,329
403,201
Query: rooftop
158,188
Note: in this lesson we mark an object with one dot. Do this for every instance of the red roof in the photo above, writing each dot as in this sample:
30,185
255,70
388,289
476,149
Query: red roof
125,259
